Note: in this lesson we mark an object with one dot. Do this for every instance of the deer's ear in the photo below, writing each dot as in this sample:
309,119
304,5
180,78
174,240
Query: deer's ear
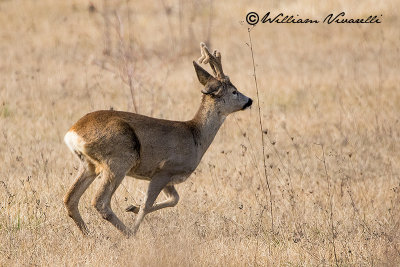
213,87
202,74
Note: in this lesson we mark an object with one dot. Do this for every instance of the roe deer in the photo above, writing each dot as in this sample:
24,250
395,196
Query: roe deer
116,143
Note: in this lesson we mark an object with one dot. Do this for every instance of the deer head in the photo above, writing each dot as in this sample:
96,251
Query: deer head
218,88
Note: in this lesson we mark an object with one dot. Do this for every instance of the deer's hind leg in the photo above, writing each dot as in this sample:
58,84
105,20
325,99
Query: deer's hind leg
84,178
117,154
112,177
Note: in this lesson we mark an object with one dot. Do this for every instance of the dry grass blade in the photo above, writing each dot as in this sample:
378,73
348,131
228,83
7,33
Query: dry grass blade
262,134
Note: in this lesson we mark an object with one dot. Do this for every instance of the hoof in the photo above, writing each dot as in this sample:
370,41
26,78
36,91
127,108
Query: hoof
132,208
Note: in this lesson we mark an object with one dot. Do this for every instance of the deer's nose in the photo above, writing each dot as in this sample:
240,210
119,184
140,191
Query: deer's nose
248,104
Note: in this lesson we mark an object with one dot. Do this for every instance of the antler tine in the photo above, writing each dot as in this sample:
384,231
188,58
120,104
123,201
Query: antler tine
217,55
214,60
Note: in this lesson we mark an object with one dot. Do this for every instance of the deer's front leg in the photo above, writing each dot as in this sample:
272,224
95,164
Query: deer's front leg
173,198
156,185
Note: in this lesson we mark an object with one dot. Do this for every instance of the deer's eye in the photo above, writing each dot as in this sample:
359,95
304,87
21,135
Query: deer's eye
234,92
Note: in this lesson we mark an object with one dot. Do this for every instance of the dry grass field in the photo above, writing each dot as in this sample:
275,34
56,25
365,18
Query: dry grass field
330,105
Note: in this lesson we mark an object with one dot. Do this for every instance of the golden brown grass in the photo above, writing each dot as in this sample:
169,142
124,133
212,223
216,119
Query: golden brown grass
330,103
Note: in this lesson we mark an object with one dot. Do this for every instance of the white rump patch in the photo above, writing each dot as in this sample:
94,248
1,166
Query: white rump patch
74,142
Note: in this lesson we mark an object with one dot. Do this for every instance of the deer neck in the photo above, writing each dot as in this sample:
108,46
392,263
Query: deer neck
206,122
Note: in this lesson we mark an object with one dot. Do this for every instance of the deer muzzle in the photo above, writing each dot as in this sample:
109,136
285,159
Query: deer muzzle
248,104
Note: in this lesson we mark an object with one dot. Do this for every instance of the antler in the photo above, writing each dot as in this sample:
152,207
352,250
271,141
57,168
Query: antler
214,60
